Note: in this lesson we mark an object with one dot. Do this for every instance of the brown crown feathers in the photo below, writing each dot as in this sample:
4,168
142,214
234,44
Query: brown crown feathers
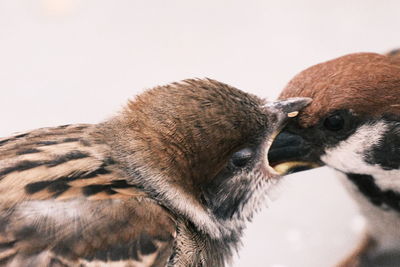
188,131
361,82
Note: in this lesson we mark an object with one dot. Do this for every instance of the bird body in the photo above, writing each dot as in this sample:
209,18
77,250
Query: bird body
169,181
64,201
353,126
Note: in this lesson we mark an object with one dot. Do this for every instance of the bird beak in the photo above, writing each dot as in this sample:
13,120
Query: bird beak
285,110
285,152
290,153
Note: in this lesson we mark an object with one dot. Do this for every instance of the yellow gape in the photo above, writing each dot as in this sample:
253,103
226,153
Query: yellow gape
290,166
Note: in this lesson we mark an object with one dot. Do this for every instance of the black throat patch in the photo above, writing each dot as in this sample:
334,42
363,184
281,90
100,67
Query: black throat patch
386,152
381,198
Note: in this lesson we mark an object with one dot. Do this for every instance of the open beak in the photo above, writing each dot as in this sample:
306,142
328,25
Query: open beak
291,153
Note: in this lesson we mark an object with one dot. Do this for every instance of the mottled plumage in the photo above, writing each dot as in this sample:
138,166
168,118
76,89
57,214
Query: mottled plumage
170,181
64,201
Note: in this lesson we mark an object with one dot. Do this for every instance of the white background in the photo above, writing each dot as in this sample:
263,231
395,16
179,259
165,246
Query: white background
67,61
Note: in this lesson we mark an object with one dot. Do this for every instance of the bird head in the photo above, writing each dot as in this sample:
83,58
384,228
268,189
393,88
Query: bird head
352,122
199,147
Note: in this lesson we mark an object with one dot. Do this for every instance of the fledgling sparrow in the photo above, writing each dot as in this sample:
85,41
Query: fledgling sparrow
170,181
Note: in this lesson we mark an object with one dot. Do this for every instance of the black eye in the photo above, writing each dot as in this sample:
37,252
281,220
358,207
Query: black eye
334,122
241,157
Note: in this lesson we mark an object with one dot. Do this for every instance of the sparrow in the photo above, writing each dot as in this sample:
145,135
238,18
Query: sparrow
169,181
353,127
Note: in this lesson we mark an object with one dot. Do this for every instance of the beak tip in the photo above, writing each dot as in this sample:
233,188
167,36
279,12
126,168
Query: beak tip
291,106
295,104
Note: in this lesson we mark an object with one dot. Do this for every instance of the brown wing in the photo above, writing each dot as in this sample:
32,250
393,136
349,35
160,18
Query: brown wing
64,202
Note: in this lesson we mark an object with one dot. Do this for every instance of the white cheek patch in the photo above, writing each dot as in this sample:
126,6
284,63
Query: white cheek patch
348,156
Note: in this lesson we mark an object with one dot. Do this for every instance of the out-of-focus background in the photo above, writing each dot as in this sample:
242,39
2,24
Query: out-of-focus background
67,61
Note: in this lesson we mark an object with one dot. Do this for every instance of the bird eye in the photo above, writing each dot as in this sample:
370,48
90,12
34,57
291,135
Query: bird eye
241,157
334,122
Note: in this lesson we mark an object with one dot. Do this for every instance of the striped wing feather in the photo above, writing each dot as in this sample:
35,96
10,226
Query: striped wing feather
64,202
